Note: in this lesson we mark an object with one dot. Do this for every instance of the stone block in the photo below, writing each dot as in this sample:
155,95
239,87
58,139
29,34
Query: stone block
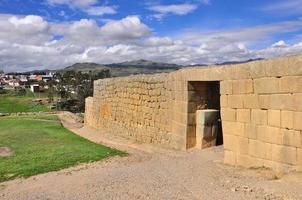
298,121
258,149
274,135
299,157
259,117
251,101
225,87
291,138
243,86
287,119
230,142
244,115
228,114
277,101
243,145
235,101
284,154
267,85
297,101
269,134
233,128
288,84
223,101
229,157
251,131
274,118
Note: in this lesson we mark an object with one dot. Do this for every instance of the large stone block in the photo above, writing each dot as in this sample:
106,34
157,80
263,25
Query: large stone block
243,86
299,157
298,121
230,142
259,149
274,118
277,101
291,84
291,138
259,117
297,101
243,145
284,154
244,115
224,101
287,119
226,87
251,101
267,85
235,101
233,128
251,131
228,114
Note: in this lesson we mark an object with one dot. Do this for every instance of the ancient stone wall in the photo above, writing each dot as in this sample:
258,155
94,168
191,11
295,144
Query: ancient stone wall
261,110
136,107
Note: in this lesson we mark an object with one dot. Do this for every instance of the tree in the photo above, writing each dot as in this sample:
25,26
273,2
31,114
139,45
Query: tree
75,86
50,91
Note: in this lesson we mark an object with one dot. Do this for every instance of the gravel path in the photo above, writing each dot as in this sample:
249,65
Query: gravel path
153,173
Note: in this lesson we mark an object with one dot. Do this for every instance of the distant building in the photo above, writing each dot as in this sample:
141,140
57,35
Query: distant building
35,88
46,78
14,83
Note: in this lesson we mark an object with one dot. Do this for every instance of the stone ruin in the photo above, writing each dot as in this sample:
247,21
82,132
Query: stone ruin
253,109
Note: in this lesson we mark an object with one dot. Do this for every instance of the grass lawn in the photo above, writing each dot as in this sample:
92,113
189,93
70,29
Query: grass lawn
12,104
40,144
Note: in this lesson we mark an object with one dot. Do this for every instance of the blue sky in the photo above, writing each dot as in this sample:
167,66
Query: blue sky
179,31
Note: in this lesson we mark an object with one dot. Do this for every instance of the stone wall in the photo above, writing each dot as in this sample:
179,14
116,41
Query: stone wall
261,110
136,107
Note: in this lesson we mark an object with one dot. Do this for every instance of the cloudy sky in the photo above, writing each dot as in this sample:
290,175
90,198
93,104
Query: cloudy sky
40,34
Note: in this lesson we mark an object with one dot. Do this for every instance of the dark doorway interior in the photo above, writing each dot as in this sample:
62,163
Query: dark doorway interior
204,95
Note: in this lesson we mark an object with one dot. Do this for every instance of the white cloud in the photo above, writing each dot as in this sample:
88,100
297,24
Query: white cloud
176,9
26,43
73,3
287,7
279,44
101,10
88,6
128,28
159,41
244,35
24,30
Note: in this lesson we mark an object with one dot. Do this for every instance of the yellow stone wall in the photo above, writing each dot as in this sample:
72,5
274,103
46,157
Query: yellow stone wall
261,110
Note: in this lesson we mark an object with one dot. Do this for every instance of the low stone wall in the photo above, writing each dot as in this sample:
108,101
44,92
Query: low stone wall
136,107
261,110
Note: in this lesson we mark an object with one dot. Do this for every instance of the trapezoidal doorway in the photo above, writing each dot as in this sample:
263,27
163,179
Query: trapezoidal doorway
204,124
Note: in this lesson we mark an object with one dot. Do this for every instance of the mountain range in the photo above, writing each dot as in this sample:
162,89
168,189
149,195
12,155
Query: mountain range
133,67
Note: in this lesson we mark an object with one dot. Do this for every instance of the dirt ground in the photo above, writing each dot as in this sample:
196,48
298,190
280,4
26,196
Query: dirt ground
5,151
153,173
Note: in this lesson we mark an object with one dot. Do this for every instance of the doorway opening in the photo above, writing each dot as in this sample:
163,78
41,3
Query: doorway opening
204,121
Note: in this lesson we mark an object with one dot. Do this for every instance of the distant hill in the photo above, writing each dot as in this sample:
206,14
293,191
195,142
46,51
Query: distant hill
239,62
133,67
126,68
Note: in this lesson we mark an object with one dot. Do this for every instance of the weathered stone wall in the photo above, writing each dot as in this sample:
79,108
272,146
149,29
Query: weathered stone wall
136,107
261,110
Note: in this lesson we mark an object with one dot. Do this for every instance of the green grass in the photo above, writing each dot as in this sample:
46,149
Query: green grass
13,104
40,144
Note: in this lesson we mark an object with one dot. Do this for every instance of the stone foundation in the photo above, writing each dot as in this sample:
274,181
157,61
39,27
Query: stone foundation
261,110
